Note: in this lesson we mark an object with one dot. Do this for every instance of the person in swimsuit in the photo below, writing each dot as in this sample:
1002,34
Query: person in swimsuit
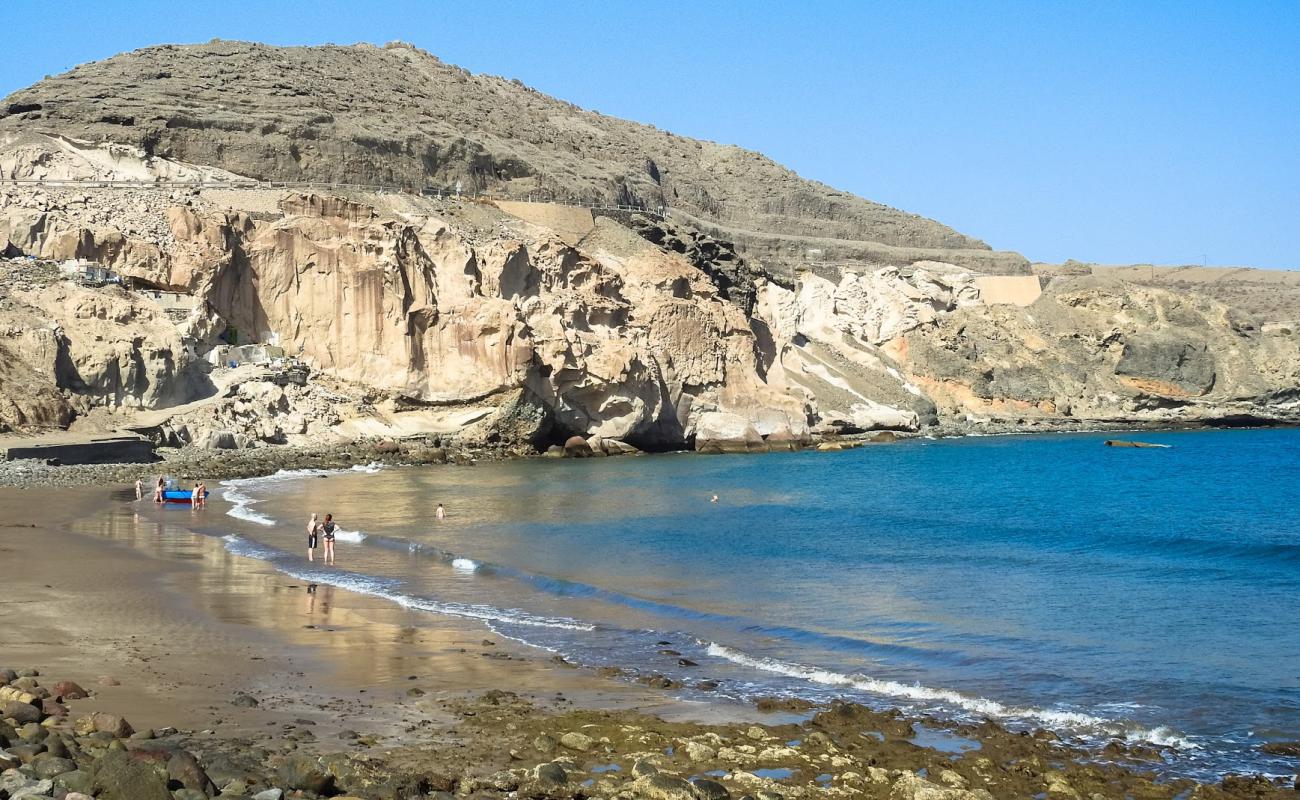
203,494
158,490
313,536
441,513
139,489
327,529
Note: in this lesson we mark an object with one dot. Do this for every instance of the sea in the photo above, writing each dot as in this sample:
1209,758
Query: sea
1147,595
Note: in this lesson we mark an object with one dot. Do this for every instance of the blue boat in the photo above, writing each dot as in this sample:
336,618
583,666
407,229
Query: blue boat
184,496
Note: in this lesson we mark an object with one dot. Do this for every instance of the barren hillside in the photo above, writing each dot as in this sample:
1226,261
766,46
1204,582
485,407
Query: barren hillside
398,115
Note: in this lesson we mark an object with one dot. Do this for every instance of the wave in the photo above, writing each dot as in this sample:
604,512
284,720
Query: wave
240,501
355,537
390,589
239,506
464,565
977,705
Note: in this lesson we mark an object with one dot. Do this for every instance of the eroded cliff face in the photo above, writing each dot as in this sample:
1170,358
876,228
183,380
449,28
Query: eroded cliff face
621,341
66,350
610,335
1106,352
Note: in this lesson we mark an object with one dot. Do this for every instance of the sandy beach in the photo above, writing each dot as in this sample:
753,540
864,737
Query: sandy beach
218,655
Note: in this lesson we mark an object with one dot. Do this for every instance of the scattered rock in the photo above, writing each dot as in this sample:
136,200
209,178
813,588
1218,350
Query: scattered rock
117,777
304,772
577,741
184,768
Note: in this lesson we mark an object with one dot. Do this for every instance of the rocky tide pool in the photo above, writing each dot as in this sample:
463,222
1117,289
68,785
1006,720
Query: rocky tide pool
1141,595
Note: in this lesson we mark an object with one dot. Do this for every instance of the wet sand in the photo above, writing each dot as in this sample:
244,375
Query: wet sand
183,626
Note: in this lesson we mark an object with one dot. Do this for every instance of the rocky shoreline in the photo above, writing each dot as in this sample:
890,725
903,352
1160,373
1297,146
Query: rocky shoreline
200,463
499,744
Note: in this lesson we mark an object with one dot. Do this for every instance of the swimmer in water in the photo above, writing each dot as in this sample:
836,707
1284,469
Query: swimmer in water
713,499
441,513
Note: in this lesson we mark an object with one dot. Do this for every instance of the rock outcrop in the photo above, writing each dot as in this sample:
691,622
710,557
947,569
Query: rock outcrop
656,338
766,312
66,350
1102,351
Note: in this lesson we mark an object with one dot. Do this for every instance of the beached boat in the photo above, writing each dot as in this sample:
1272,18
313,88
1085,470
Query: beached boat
184,496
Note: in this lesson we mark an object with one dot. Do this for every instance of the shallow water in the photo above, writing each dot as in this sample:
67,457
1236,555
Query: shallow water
1046,581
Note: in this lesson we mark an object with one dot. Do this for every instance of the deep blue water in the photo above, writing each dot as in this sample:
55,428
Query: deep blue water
1044,581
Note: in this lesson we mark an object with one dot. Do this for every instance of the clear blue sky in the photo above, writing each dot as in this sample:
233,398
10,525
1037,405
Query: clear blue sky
1110,132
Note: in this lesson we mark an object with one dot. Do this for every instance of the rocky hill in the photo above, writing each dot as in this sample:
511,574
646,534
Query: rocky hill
399,116
520,325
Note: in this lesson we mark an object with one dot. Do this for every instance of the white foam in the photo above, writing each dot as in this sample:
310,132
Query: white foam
1163,737
239,506
233,491
464,565
349,536
384,588
978,705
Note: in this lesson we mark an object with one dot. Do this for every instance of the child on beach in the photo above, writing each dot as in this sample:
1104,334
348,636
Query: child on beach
139,489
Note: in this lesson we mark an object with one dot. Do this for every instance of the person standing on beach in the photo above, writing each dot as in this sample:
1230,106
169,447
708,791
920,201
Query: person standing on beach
313,534
158,490
327,529
139,489
201,495
441,513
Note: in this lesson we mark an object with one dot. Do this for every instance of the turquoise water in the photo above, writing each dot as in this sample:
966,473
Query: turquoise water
1142,594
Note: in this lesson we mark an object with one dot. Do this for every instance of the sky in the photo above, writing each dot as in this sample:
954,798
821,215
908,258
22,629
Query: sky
1161,132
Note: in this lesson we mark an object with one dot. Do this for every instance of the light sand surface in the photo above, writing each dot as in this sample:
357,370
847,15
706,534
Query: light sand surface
91,590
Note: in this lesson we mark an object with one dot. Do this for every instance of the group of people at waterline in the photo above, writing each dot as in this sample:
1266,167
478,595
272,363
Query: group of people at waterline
319,532
198,495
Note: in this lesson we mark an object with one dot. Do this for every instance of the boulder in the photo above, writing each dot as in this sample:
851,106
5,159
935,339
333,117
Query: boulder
1290,749
551,774
661,786
118,777
68,690
33,789
725,432
76,781
112,724
577,447
21,713
697,751
184,769
47,766
577,741
304,772
706,789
